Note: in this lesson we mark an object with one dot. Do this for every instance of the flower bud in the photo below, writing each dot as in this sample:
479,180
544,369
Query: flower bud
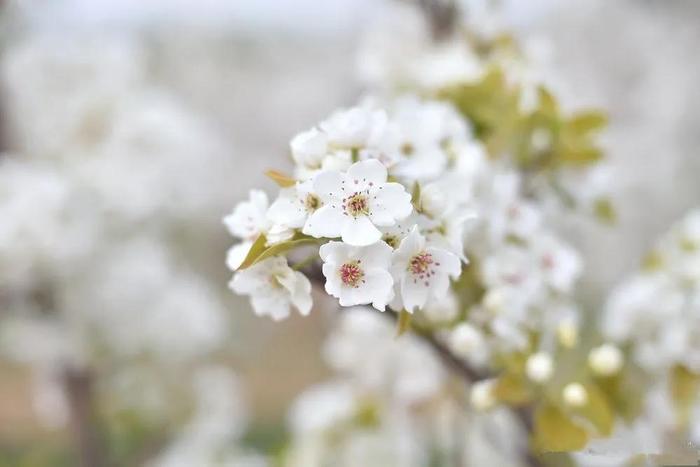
539,367
465,340
575,395
567,333
482,396
605,360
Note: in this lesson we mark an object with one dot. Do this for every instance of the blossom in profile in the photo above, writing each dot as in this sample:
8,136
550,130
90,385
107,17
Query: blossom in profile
274,288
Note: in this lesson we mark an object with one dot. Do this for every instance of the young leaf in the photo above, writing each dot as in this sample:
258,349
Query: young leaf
597,410
404,323
280,179
259,251
685,386
255,250
555,432
585,122
512,389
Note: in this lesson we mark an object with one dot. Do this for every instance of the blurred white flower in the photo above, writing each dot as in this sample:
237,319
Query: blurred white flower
274,288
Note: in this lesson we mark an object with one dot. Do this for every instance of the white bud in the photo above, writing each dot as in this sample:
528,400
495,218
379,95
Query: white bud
494,301
433,201
482,396
605,360
575,395
567,332
539,367
465,340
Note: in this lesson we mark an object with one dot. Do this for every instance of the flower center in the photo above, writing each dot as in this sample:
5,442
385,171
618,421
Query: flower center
356,205
421,266
351,274
312,202
392,240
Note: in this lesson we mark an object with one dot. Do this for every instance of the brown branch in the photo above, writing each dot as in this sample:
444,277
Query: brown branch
78,385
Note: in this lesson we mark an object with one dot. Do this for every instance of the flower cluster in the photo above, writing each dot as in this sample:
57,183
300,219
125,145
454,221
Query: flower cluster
657,311
655,315
374,187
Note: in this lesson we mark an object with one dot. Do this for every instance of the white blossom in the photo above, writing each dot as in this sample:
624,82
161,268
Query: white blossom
249,218
421,271
274,288
355,203
358,275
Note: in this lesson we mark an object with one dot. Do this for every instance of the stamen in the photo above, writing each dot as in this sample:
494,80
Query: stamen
351,274
356,205
421,266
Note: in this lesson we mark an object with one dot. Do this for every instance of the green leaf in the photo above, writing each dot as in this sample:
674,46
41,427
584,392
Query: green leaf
404,323
255,251
280,179
586,122
555,432
548,103
597,410
259,251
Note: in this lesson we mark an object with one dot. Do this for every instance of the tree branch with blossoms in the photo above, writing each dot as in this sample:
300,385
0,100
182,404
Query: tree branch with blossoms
432,207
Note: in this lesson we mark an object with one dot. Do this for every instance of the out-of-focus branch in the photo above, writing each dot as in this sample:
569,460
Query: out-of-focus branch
442,16
455,364
471,375
78,385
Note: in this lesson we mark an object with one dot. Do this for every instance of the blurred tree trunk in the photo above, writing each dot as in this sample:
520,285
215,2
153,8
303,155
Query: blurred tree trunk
79,386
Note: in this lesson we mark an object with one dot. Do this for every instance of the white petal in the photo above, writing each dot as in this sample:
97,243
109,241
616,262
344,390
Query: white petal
377,255
367,172
236,254
245,282
273,304
327,185
389,203
414,292
335,252
409,246
327,221
449,263
287,210
333,285
301,294
359,231
379,288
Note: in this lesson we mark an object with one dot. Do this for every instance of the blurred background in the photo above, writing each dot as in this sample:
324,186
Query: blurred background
130,128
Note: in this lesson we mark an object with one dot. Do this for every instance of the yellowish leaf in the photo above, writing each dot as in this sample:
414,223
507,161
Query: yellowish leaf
555,432
280,179
585,122
597,410
404,323
512,389
685,387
